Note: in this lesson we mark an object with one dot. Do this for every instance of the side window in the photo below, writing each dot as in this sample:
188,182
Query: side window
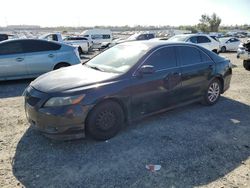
236,40
9,48
203,39
189,55
162,59
150,36
205,57
141,37
233,40
96,36
54,38
39,46
193,40
106,36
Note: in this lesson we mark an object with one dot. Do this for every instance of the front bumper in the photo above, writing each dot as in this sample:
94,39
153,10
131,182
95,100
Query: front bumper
64,123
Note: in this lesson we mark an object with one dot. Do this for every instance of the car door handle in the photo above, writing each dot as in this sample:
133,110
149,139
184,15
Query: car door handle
19,59
51,55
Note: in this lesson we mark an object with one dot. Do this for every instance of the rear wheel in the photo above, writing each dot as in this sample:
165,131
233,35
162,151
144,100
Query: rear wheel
105,120
80,51
212,93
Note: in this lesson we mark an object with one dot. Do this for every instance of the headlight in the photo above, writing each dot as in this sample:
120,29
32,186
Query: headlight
63,101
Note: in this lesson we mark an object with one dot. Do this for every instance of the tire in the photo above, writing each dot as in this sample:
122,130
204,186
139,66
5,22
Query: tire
212,94
246,64
215,51
223,49
80,51
61,65
105,120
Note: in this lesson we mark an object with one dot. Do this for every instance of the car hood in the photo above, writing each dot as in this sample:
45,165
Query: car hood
70,78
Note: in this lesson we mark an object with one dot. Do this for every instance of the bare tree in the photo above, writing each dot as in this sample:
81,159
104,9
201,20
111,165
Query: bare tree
209,23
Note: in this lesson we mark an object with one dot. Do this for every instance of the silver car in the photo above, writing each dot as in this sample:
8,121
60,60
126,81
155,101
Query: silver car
29,58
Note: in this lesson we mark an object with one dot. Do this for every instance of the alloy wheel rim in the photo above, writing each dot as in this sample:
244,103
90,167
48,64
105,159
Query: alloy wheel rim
213,92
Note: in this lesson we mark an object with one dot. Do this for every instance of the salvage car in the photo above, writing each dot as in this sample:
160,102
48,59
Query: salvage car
201,39
29,58
126,82
243,53
229,44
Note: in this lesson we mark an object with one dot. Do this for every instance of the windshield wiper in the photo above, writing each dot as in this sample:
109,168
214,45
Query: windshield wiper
94,67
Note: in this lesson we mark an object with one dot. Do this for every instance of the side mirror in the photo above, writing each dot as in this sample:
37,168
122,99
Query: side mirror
147,69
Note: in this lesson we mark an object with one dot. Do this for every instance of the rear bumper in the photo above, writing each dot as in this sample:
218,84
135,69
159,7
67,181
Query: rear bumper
64,123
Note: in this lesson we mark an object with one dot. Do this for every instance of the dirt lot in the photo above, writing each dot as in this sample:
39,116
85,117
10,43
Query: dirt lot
196,146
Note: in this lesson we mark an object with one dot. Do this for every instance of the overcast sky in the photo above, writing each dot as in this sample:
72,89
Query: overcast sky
120,12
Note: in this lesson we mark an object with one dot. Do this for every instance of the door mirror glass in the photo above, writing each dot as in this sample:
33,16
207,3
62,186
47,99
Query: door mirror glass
147,69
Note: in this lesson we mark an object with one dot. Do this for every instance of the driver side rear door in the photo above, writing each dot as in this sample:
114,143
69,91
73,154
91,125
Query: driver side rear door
12,60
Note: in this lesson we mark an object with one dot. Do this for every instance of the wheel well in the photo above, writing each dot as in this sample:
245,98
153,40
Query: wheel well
118,101
221,82
215,51
60,64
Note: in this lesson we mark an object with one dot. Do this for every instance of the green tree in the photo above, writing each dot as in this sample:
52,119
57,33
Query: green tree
209,23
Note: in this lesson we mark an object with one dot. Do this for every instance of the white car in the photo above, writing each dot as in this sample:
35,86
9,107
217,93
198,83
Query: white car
229,44
81,43
201,39
98,36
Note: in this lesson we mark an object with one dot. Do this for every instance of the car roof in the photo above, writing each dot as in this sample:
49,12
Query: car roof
158,43
10,40
153,45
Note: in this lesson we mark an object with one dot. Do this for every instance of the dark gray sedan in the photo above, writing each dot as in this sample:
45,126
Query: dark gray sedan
124,83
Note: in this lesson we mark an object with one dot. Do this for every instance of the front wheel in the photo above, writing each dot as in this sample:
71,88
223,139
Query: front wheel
213,92
105,120
246,64
223,49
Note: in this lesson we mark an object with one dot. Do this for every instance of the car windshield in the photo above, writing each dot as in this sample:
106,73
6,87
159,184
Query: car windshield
118,59
178,38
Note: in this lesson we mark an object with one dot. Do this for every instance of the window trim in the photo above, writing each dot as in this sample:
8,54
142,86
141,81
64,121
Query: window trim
178,61
134,73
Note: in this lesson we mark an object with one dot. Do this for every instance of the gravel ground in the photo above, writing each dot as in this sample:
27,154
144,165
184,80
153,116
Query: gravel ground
196,146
